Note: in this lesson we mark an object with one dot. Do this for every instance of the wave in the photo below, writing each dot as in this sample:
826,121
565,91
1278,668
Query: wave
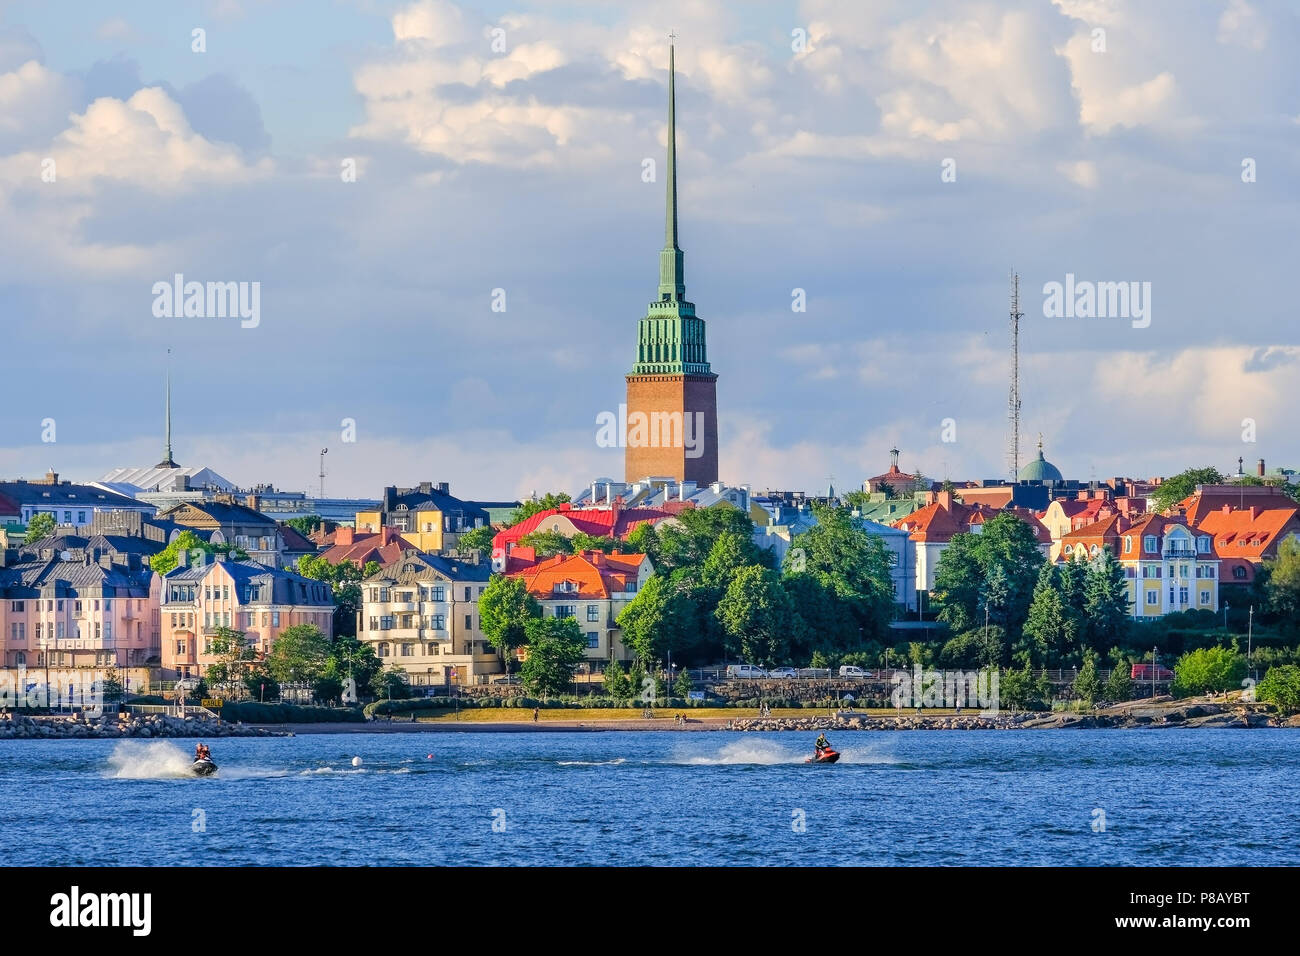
592,763
149,760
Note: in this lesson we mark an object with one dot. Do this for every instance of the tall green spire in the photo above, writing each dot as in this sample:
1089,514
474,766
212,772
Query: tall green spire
167,461
672,282
670,339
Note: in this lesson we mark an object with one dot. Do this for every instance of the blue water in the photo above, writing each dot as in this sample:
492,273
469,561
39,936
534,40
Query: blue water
1173,797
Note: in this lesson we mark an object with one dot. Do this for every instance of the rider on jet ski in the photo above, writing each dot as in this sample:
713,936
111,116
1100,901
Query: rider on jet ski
201,752
822,745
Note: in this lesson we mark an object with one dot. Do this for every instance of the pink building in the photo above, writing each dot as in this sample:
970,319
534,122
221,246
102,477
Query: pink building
242,595
89,612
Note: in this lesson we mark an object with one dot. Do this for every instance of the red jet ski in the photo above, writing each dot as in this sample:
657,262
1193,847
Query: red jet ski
824,756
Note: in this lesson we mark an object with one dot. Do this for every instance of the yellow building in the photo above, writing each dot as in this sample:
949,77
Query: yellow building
429,517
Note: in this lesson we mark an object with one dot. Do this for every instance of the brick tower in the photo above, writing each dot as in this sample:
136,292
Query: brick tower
672,401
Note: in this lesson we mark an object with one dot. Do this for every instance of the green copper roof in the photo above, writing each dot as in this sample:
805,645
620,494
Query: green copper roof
670,339
1040,469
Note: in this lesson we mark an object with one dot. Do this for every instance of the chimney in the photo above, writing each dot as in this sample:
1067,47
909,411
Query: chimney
106,562
594,492
219,557
944,500
344,536
1227,509
1254,512
598,558
444,487
1259,468
609,492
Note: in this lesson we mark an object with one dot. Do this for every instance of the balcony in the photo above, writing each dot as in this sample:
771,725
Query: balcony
1185,554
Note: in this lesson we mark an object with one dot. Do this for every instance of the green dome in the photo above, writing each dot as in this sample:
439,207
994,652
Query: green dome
1040,469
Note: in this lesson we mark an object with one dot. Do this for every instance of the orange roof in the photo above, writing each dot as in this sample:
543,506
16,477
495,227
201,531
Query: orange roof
591,574
614,522
384,546
1252,533
935,523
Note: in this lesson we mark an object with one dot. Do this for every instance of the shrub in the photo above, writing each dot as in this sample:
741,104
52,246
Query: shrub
1281,686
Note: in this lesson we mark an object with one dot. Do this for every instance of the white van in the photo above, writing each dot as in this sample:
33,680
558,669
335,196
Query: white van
745,670
848,670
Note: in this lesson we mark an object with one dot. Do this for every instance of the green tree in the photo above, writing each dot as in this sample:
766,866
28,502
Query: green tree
616,681
822,622
391,683
682,686
546,502
41,526
851,564
1087,684
298,654
1106,602
1045,628
663,619
978,648
1020,690
1281,686
959,582
505,609
260,682
756,612
1119,685
233,657
555,648
304,525
1173,490
547,543
1282,590
1208,669
182,548
344,580
352,659
478,538
589,542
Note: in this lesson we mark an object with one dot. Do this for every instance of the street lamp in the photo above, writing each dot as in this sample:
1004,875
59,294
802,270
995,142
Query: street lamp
1226,605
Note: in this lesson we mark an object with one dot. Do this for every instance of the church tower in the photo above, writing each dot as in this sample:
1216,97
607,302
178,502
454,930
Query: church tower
672,404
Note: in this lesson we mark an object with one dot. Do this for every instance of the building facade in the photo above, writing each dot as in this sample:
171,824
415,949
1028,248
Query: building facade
421,614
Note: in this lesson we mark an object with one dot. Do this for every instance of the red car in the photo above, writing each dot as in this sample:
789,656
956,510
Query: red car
1149,671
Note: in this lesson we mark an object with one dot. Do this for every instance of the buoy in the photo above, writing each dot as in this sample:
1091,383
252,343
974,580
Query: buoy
428,756
356,761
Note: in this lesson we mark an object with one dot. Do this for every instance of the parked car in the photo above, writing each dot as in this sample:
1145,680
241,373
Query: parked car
848,670
187,685
745,670
1147,671
783,672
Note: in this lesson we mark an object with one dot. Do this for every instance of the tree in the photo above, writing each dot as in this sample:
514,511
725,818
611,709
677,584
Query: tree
850,563
555,648
260,682
1173,490
1106,602
233,657
304,525
351,659
178,551
1283,587
756,611
344,580
479,538
682,686
959,582
1281,686
1019,689
390,682
41,526
616,682
547,543
546,502
822,622
978,648
1208,669
505,609
298,654
1045,629
1119,685
589,542
1087,685
663,619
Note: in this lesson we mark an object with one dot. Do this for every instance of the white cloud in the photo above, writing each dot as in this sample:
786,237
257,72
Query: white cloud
1241,24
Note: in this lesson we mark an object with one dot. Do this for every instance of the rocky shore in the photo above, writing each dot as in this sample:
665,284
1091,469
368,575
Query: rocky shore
1161,712
142,726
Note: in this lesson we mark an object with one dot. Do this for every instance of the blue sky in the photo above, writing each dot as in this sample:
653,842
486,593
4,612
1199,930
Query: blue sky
519,168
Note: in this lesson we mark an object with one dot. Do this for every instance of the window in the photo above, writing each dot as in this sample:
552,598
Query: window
1182,570
275,618
593,612
1093,550
1130,571
1128,543
1239,573
38,630
385,622
1203,545
438,594
180,647
1153,597
16,605
1149,543
469,622
383,649
383,595
81,517
60,605
20,658
408,650
438,622
60,630
593,640
1069,549
467,593
1205,597
566,610
1182,595
108,630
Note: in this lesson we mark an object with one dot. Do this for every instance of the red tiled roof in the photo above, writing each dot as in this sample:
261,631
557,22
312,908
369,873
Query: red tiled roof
384,546
935,523
598,522
1252,533
295,541
591,574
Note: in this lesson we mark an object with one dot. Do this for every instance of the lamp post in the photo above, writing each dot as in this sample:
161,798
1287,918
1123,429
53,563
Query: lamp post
1250,624
1226,605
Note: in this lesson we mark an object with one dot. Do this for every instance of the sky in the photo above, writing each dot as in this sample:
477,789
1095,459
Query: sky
888,164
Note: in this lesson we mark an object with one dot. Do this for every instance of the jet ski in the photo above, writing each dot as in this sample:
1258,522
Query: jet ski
205,767
824,756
